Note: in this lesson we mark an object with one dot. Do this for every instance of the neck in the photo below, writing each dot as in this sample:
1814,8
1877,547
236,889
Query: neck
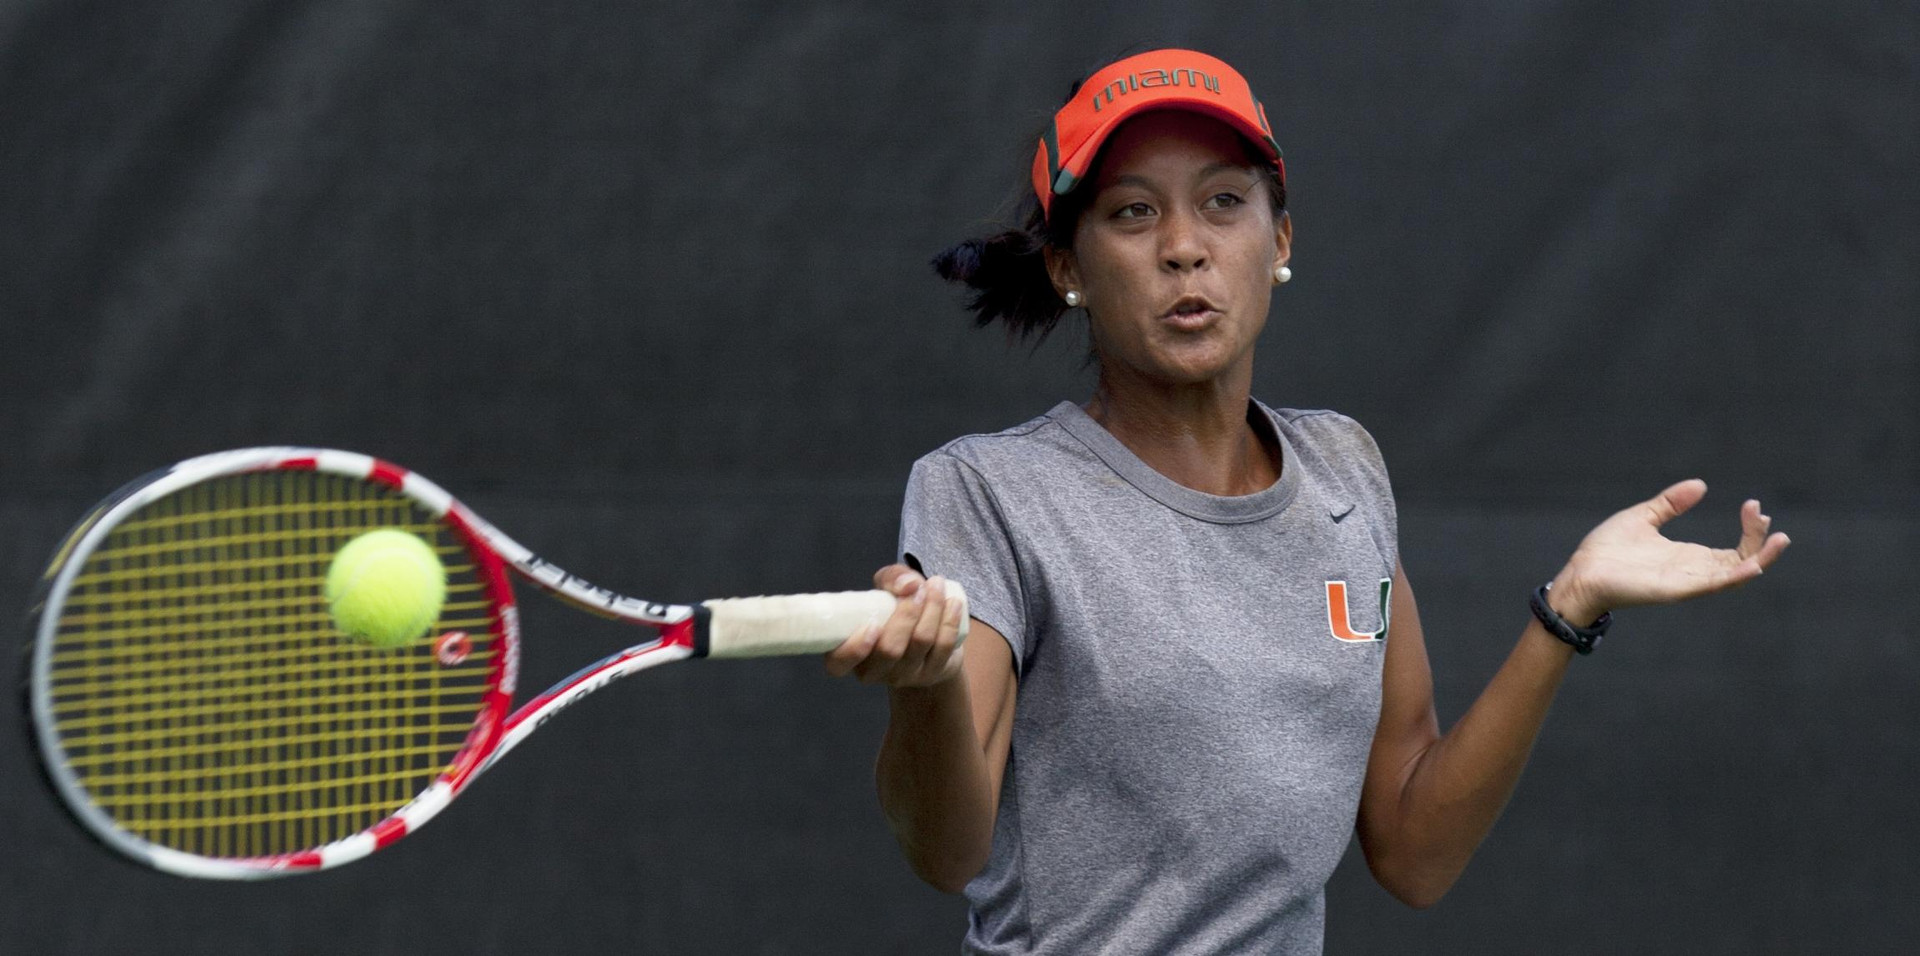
1198,435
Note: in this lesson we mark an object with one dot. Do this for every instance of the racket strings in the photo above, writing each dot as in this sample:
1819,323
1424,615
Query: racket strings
202,696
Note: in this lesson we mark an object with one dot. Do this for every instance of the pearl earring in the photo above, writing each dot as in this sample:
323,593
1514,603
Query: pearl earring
1281,275
1073,298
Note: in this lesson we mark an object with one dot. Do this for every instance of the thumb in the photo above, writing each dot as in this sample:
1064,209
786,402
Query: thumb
1674,502
898,580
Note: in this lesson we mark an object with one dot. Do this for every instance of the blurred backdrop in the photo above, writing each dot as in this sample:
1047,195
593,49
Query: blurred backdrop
646,283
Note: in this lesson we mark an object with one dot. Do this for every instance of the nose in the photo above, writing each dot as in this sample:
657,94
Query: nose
1183,245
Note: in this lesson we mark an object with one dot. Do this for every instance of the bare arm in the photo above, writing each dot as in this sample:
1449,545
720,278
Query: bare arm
1428,799
950,724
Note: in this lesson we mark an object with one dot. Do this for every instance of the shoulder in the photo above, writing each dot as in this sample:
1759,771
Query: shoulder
1337,446
1340,442
1325,430
1021,452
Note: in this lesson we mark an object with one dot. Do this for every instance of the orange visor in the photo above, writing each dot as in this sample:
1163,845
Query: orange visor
1162,79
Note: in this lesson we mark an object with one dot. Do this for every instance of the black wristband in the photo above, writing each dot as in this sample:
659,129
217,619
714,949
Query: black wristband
1583,639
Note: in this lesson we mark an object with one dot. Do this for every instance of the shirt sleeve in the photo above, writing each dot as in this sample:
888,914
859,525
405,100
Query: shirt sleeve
952,526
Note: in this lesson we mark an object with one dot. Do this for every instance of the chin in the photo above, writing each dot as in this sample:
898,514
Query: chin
1183,374
1193,369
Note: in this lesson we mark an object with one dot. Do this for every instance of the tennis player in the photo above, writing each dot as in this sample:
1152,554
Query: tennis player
1196,664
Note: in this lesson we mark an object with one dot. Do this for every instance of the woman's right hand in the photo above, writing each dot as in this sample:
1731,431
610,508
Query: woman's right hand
918,645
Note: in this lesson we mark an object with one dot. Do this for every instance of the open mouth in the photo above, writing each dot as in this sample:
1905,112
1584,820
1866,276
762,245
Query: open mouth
1190,311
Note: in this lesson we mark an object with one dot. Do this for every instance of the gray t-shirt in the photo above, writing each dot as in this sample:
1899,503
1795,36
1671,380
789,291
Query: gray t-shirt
1194,714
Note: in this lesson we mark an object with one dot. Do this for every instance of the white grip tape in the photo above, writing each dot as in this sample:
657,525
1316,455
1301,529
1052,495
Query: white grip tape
800,623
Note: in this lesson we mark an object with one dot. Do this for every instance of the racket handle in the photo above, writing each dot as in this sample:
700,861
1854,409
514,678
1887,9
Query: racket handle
798,623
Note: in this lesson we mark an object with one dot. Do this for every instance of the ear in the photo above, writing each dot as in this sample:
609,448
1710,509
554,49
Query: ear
1282,240
1063,269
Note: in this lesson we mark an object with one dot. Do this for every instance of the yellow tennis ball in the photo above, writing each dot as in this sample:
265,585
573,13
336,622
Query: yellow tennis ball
386,587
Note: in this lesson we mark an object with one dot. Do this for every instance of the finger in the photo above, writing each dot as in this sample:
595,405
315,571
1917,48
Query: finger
1675,501
926,629
842,660
1753,528
1744,569
891,642
943,653
1769,552
876,667
897,580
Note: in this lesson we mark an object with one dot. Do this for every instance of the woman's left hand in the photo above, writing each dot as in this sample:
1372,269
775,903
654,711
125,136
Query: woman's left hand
1626,561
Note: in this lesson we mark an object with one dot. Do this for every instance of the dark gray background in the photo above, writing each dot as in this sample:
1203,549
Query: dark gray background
646,283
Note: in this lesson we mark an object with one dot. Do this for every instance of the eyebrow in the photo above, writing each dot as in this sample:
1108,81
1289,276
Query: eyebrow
1208,170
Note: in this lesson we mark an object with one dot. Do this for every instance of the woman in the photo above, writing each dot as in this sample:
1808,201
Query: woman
1195,664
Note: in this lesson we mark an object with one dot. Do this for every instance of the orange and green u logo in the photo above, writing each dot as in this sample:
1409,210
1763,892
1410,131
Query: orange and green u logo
1342,624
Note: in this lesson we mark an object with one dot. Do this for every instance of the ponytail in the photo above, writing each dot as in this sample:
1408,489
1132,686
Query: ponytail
1007,274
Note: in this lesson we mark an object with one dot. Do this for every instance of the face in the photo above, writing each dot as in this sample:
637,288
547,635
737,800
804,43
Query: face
1174,255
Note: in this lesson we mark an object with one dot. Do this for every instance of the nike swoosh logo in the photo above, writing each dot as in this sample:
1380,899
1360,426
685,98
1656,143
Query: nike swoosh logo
1339,511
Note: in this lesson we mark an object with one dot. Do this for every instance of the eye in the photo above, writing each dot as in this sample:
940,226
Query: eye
1226,200
1133,210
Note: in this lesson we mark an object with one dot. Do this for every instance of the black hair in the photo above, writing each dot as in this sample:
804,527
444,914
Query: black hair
1007,271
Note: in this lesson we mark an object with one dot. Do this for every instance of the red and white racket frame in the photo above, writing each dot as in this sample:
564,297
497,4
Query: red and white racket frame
747,627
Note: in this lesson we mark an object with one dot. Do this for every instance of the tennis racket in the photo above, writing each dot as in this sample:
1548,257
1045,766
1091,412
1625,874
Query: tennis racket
199,712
